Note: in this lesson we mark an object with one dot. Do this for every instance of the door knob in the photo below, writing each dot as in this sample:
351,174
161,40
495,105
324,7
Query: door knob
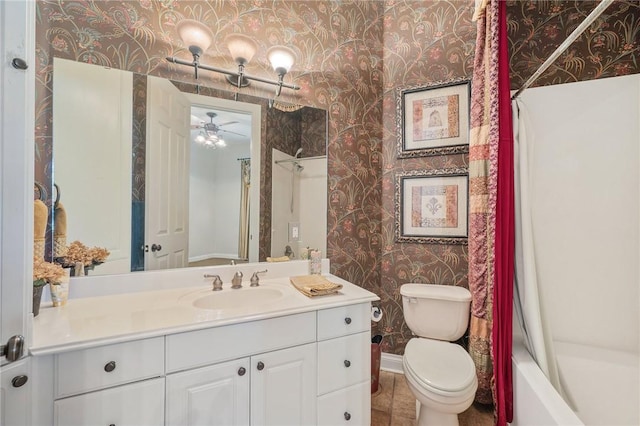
260,365
156,247
13,349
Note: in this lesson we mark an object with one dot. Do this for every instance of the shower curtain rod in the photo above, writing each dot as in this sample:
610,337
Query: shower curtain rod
293,160
565,44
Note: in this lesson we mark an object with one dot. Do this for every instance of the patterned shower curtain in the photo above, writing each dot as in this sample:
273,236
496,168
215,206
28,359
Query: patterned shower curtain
245,182
491,220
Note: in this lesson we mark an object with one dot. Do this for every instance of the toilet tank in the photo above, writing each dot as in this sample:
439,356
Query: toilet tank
436,311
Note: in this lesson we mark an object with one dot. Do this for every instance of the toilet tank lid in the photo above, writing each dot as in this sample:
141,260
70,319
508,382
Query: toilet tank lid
436,291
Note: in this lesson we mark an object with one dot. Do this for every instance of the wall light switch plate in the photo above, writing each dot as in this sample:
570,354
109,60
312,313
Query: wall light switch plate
294,231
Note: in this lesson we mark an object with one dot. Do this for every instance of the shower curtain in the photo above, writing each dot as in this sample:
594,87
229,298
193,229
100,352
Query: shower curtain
245,185
491,219
528,308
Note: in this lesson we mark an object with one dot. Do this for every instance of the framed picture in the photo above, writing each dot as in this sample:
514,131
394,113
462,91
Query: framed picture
433,120
431,207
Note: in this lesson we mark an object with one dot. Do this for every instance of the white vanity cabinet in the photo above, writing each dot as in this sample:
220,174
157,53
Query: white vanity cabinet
344,365
15,393
309,367
260,385
120,384
273,388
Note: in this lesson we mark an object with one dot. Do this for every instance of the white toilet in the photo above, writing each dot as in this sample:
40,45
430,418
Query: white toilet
441,374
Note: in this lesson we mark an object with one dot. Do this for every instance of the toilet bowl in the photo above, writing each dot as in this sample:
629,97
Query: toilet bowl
440,374
442,377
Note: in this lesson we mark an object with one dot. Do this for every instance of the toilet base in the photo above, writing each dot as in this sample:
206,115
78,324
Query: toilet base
427,417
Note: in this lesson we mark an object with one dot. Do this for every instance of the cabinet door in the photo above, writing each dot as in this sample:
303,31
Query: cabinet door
215,395
15,394
283,387
137,404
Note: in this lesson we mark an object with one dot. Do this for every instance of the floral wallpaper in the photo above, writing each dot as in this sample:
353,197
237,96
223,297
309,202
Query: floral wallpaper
609,47
353,57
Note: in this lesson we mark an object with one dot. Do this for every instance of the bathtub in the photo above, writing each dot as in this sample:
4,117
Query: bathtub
601,387
535,401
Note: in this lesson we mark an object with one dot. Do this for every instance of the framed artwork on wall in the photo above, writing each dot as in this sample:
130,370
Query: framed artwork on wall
431,207
433,120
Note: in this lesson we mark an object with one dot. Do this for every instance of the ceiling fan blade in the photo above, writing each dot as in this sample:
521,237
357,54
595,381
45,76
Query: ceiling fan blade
235,133
228,122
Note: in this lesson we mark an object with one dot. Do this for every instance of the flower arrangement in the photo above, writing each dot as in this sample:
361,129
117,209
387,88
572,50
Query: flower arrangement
46,273
79,253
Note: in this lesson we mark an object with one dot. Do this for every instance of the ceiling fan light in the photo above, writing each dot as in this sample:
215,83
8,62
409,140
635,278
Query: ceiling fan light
195,35
221,143
241,47
281,59
200,138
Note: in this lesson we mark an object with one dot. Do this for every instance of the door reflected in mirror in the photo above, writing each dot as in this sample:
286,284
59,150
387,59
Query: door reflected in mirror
113,149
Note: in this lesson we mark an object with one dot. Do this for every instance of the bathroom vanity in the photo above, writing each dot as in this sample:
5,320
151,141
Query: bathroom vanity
166,352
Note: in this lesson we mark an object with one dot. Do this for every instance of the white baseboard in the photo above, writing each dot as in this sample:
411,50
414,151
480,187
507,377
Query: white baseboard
391,362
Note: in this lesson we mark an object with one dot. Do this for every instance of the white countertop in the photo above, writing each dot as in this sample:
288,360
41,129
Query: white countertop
112,318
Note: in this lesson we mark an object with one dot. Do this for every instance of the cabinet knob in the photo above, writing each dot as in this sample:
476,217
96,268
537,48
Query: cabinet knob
18,381
241,371
347,416
347,363
19,64
260,365
347,320
110,366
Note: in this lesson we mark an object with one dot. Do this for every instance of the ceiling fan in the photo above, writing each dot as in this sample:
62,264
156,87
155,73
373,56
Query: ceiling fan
209,135
212,128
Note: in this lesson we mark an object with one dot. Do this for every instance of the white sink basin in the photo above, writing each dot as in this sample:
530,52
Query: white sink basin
241,298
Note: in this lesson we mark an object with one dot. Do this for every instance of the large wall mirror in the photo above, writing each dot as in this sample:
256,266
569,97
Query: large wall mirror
166,174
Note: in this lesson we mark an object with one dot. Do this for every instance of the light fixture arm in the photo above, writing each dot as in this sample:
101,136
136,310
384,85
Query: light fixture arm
195,64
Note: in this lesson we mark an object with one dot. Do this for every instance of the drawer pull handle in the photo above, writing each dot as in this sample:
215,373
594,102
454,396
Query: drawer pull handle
241,371
347,320
260,365
347,363
19,381
110,366
347,416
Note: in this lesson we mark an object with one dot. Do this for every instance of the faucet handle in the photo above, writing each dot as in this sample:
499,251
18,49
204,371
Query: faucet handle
236,281
217,282
255,279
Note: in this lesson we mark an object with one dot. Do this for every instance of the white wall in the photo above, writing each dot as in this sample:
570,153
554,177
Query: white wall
585,189
309,198
92,111
214,201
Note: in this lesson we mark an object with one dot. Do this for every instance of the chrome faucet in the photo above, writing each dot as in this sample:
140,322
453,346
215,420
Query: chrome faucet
217,282
236,281
255,279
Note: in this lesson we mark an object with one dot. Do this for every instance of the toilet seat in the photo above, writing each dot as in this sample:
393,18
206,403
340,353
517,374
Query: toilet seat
442,367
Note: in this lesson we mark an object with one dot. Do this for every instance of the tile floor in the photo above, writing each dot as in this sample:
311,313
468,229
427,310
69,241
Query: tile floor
394,405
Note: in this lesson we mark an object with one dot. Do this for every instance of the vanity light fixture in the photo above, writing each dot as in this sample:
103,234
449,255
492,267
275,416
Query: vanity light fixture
198,38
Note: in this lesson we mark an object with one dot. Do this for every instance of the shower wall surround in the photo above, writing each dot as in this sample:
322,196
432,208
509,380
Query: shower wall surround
352,56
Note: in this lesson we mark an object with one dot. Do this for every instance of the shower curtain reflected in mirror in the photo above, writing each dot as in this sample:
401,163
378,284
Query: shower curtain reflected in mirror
245,182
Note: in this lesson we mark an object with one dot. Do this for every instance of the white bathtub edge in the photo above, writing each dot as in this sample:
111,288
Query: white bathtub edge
535,401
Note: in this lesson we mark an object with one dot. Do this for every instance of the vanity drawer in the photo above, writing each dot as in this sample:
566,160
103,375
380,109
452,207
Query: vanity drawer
238,340
350,406
336,322
343,362
137,404
96,368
